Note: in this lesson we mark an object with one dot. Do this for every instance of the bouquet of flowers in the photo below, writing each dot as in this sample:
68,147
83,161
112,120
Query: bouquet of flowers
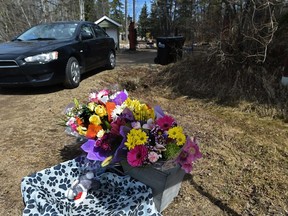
118,127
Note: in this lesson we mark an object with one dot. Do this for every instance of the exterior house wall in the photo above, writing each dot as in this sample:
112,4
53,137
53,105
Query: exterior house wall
111,27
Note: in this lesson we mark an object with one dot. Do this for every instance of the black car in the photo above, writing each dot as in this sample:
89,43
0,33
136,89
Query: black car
54,53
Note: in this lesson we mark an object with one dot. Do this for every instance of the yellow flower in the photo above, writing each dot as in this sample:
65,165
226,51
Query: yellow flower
133,105
137,116
150,114
140,111
181,139
95,119
177,134
142,137
107,161
174,132
100,110
127,102
91,106
82,130
136,137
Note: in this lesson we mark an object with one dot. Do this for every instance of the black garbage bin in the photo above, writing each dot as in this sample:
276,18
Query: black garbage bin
169,49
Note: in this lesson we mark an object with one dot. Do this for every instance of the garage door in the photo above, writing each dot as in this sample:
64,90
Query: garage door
113,33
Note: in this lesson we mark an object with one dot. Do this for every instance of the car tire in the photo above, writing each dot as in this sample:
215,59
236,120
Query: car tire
72,73
111,61
156,60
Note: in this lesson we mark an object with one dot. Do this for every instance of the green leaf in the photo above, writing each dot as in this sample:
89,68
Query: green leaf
171,151
76,102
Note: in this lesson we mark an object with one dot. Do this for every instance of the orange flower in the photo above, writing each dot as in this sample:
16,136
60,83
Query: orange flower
110,106
93,130
79,121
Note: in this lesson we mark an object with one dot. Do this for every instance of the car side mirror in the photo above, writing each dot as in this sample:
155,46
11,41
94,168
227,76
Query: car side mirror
86,35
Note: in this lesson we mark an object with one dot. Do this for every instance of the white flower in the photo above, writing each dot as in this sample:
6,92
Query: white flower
100,133
69,109
136,125
104,99
149,125
117,111
93,96
159,147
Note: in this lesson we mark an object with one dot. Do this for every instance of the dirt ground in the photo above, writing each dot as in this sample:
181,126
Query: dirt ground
244,169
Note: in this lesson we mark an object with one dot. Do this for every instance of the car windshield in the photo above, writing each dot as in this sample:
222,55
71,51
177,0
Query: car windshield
55,31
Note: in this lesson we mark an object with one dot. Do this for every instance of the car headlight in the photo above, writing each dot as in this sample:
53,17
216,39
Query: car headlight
43,58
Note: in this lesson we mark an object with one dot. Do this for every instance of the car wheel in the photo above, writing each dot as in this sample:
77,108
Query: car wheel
111,60
72,73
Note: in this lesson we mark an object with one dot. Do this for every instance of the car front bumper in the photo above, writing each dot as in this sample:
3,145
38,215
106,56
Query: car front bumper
14,73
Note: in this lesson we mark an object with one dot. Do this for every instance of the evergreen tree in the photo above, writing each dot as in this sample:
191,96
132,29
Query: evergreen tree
184,20
102,8
154,22
116,11
162,17
90,12
143,22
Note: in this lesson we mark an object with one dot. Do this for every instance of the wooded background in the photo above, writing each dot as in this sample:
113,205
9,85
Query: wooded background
241,29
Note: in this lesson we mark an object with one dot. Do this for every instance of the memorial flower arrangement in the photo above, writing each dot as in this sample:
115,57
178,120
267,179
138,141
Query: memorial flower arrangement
118,127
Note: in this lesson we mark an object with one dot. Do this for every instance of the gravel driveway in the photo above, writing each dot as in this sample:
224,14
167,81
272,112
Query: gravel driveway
140,56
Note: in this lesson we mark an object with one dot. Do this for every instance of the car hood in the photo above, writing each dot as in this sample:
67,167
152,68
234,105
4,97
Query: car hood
20,48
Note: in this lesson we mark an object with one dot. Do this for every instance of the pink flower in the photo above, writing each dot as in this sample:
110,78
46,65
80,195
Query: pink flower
74,127
115,126
187,167
189,153
137,156
101,96
165,122
185,161
192,147
92,97
153,157
71,121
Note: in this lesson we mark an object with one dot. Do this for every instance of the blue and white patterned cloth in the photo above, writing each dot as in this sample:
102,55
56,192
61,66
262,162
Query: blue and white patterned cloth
44,194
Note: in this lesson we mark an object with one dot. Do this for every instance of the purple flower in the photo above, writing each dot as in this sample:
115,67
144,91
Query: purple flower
120,151
120,98
158,112
94,153
187,167
192,147
189,153
127,114
158,136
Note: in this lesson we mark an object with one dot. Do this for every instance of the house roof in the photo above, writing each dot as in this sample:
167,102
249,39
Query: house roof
108,19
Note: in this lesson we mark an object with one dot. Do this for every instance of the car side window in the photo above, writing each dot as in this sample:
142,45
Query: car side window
100,33
85,29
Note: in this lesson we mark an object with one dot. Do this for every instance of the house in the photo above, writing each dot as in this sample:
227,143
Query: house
111,27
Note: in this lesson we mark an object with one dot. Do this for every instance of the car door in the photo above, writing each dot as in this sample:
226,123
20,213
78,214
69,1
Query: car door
90,47
103,43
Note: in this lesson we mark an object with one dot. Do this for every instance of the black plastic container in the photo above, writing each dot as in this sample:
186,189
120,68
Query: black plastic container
169,49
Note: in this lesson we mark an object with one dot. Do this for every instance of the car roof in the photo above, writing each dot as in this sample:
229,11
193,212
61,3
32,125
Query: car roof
73,22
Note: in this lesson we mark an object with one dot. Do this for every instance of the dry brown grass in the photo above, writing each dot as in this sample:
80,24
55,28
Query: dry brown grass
244,169
230,84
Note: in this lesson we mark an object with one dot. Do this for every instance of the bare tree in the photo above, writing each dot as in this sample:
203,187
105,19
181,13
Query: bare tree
248,29
16,16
